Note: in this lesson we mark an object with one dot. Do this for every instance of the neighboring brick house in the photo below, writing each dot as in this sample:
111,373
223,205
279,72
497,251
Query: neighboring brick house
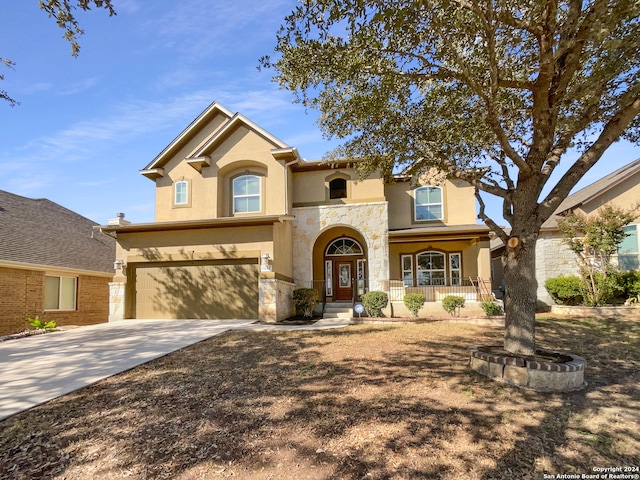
553,258
53,264
242,220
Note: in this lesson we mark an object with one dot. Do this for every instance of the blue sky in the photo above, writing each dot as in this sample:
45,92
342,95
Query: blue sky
87,125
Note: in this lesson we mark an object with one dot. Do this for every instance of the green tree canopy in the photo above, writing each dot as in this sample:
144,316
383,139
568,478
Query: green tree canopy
63,13
494,92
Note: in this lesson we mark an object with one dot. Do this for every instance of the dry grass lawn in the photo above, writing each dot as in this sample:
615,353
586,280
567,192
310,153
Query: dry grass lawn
372,402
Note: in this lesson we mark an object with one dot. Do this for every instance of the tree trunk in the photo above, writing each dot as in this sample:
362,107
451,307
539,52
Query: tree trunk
519,264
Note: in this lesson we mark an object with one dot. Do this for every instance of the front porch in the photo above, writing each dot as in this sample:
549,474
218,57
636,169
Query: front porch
473,289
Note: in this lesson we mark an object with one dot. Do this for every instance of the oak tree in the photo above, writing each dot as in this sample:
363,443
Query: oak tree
62,11
495,92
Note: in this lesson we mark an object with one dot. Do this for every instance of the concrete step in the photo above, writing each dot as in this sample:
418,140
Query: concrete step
338,310
337,314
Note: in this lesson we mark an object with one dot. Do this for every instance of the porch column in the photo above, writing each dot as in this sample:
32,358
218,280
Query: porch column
117,293
275,297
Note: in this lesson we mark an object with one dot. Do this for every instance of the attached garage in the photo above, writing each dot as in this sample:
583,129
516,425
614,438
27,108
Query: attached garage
204,290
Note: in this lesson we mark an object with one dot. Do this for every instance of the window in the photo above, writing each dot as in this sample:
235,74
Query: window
428,203
431,268
628,258
344,246
454,268
407,270
60,293
246,194
181,193
338,188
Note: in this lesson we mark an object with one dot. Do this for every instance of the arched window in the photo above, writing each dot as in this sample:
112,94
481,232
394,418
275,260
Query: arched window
344,246
431,268
338,188
181,193
428,203
247,194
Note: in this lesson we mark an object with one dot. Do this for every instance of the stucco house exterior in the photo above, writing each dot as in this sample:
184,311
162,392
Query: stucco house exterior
54,264
621,189
242,220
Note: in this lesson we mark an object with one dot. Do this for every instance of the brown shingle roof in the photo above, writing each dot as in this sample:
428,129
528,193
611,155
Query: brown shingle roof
592,191
41,232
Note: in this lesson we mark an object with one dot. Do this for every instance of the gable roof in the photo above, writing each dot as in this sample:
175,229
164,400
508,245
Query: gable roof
590,192
213,110
198,157
41,232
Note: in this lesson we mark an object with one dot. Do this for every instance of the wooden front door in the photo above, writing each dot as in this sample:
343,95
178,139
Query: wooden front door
343,280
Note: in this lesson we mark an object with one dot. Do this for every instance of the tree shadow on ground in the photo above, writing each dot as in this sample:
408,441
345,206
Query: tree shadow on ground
374,402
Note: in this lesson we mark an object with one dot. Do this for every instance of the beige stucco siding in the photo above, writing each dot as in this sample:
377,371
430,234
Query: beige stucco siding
312,187
475,255
458,208
210,193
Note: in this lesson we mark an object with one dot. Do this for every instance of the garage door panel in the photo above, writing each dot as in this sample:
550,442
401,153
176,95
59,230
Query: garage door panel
197,291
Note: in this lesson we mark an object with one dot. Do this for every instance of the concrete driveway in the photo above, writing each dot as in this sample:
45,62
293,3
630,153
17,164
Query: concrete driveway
37,369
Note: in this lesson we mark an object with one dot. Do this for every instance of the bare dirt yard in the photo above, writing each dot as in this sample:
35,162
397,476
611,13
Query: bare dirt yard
365,402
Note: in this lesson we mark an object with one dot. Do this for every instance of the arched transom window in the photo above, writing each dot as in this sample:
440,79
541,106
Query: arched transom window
344,246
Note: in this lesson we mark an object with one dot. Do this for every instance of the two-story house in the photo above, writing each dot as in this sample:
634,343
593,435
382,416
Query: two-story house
242,220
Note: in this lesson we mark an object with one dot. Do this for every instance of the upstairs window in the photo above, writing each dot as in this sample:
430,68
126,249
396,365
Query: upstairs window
246,194
338,188
428,203
181,193
60,293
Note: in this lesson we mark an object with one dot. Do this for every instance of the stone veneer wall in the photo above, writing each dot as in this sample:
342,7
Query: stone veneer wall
275,299
553,258
370,219
116,300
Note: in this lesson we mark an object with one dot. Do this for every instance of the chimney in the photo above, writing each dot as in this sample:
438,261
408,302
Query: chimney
119,220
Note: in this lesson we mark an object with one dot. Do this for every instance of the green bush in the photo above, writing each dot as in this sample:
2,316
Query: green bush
452,304
631,284
491,308
608,288
39,324
306,299
413,301
374,302
565,290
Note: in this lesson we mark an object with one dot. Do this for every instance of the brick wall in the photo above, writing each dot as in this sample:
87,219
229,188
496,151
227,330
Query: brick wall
22,296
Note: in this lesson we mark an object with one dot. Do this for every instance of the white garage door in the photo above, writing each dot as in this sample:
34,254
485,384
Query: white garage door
196,290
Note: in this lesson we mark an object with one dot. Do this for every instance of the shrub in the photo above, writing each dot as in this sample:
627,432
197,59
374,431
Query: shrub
631,284
374,302
565,290
306,299
413,301
452,304
37,323
491,308
606,288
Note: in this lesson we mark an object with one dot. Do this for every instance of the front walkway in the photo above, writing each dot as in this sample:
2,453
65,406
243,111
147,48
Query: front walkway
37,369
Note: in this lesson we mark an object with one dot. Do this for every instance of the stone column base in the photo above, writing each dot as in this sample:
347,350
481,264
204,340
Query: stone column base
275,299
116,301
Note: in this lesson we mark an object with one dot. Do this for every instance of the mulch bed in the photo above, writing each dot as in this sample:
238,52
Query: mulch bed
394,401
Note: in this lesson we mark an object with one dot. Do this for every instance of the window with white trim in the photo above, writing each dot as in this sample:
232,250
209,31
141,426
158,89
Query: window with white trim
629,249
407,270
428,203
247,196
431,268
181,193
60,292
455,268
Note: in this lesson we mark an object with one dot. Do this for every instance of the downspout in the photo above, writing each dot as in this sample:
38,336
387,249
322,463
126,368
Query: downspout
286,183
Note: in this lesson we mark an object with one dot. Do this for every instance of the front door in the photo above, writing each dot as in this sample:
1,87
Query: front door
343,278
